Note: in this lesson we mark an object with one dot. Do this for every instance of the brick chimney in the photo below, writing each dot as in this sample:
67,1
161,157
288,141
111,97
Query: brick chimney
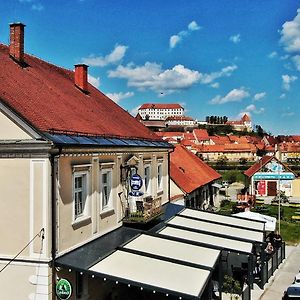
81,77
16,46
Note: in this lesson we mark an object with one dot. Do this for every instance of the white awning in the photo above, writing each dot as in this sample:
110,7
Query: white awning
270,222
223,219
176,250
160,275
223,229
210,239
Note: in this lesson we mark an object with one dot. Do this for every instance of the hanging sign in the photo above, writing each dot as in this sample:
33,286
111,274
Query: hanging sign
136,182
63,289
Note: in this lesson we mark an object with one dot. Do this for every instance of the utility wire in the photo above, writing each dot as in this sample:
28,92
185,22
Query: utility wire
40,234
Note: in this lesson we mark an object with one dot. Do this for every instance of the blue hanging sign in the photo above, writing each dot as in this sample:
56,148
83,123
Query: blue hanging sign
136,182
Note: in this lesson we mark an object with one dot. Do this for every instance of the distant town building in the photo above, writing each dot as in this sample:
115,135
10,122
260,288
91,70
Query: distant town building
180,121
243,124
160,111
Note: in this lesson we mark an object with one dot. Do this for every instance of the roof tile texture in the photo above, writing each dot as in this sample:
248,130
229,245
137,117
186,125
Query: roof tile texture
45,96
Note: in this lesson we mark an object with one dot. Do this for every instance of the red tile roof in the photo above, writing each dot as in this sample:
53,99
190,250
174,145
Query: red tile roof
161,106
220,140
227,148
246,118
257,166
201,134
45,96
262,162
188,171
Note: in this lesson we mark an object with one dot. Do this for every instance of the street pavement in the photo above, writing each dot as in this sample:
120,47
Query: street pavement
282,278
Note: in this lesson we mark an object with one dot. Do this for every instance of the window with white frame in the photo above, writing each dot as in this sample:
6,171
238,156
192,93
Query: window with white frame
147,179
159,177
106,188
80,194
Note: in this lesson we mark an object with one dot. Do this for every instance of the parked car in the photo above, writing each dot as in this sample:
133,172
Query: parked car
292,292
297,279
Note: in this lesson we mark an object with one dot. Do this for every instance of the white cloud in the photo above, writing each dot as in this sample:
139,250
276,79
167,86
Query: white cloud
35,4
284,57
254,109
287,80
177,38
215,85
95,81
37,7
296,60
225,72
234,95
235,38
259,96
152,76
135,110
117,97
290,38
101,61
282,96
174,40
272,54
193,26
290,34
288,114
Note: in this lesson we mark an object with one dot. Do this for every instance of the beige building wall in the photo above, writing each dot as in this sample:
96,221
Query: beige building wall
30,281
24,185
73,233
25,194
174,189
296,187
10,131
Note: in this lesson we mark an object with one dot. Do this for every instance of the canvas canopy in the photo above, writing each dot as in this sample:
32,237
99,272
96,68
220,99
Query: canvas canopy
270,222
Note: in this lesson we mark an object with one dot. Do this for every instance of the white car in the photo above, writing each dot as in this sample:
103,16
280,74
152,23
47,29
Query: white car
292,292
297,279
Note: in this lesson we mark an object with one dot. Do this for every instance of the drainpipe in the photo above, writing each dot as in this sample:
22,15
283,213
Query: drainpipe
169,181
53,160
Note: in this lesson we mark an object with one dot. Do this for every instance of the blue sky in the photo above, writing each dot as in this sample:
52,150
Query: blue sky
215,57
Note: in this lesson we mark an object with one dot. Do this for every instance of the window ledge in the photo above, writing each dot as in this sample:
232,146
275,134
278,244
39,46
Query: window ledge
107,212
81,221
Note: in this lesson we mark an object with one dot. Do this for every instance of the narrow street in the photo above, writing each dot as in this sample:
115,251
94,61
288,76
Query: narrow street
282,278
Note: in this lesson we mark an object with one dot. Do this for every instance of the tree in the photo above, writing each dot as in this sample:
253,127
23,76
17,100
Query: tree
259,131
243,160
232,287
222,160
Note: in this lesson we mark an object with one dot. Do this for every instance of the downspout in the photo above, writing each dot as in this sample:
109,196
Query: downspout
169,168
53,160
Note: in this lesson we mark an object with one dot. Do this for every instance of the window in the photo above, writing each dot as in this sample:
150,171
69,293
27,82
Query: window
106,188
159,177
80,194
147,179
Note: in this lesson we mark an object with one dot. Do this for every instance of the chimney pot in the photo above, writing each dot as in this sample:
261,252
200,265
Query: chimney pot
81,77
16,46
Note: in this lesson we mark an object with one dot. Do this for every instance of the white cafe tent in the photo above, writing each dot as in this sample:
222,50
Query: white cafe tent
270,222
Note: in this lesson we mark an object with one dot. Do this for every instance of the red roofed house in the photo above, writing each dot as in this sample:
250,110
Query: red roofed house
269,175
66,153
233,152
192,179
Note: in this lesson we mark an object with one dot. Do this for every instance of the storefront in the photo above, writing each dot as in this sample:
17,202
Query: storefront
269,176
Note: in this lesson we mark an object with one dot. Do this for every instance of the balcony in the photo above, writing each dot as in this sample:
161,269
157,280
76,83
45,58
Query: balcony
142,211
